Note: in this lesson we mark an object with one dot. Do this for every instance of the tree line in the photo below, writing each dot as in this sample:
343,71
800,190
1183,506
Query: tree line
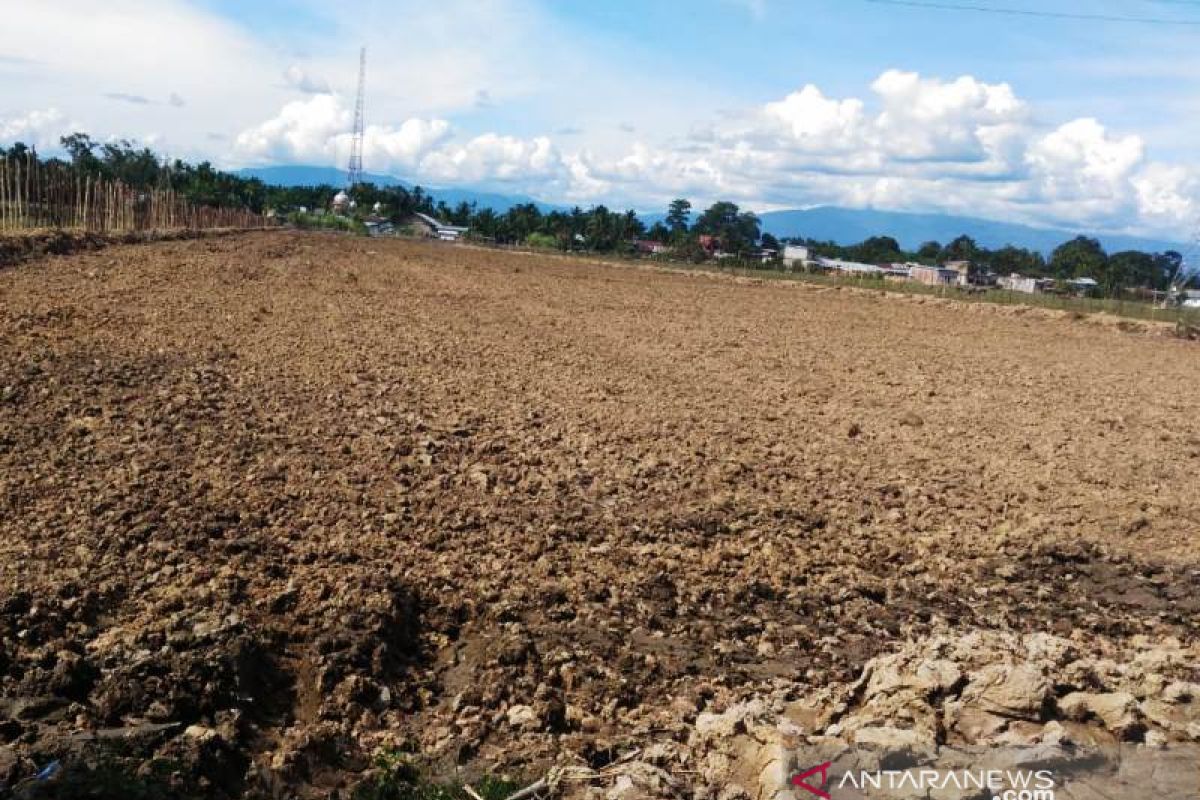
723,226
1081,257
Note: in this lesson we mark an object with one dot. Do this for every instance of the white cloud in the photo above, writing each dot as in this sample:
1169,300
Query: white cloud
920,143
77,51
816,123
403,148
931,119
1080,160
297,78
317,129
1169,193
304,130
963,146
907,141
40,129
491,157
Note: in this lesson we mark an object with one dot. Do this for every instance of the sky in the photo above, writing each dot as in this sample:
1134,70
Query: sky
1052,121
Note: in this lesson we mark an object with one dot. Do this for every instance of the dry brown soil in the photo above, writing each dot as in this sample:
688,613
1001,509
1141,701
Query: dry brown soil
269,503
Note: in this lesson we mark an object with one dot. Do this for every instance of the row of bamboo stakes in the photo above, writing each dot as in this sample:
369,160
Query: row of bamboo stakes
36,195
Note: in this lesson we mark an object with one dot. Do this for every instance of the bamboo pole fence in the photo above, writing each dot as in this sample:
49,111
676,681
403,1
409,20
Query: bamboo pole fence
35,195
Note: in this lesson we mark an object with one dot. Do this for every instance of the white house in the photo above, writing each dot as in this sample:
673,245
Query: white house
795,255
1083,285
437,229
379,227
1020,283
933,276
849,267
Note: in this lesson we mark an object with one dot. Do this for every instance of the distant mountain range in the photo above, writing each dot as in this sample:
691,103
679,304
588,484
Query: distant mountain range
316,176
847,226
844,226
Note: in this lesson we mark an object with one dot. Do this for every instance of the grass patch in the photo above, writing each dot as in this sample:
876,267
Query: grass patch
397,778
1077,306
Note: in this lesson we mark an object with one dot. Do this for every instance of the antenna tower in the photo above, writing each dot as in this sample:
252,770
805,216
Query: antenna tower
354,170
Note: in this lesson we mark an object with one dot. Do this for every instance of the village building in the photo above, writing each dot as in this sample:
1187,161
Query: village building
849,267
795,255
650,247
896,271
933,276
962,269
1083,286
379,227
1023,284
425,225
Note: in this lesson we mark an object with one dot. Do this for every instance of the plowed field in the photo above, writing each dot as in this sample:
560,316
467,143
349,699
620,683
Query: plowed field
272,503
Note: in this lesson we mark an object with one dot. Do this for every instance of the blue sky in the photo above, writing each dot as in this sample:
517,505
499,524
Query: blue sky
772,104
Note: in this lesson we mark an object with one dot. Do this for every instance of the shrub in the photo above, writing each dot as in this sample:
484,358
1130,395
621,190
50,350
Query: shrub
541,240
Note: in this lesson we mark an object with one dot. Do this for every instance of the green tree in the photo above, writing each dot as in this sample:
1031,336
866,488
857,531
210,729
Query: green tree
679,213
629,227
1128,268
737,231
1009,259
876,250
1168,267
963,248
659,232
82,150
929,252
520,221
1082,257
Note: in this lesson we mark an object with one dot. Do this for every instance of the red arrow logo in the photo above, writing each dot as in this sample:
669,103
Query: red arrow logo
799,780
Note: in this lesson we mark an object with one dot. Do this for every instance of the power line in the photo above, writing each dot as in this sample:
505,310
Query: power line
1022,12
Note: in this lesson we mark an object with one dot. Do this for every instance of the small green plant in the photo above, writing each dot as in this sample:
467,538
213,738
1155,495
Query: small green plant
324,220
542,241
398,778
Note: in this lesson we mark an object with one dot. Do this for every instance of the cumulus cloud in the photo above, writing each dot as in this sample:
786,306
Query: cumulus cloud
1168,192
920,143
914,142
817,123
960,120
303,130
297,78
41,129
317,129
1079,160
